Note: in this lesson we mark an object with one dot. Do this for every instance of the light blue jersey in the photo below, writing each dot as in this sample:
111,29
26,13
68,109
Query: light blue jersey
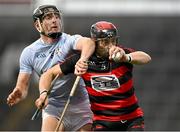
39,57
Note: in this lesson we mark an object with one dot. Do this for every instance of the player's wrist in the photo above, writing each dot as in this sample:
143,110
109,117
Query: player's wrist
83,58
43,92
128,58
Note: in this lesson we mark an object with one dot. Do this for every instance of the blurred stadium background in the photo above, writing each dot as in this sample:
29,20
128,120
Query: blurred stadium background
148,25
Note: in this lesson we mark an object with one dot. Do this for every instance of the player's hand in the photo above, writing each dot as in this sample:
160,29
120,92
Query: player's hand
114,50
81,67
14,97
41,102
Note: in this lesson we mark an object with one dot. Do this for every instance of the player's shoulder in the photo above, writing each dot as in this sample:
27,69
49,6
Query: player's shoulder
67,37
70,35
34,45
31,47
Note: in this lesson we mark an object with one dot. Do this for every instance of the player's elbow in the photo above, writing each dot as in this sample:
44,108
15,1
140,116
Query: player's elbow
147,58
140,58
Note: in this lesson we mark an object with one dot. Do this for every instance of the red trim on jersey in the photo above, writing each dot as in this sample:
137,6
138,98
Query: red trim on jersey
138,112
120,71
122,89
87,76
115,104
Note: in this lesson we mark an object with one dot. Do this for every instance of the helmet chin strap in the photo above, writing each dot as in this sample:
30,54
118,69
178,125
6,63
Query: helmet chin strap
52,35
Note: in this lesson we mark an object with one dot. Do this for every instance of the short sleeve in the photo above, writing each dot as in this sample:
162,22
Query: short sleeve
73,39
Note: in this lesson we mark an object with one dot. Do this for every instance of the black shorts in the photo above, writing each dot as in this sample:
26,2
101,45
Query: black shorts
136,124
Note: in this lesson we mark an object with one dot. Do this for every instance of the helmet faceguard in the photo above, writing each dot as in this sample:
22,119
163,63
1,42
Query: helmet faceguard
40,12
105,34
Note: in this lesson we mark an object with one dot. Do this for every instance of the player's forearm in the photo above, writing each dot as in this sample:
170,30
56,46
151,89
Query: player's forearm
139,58
45,82
87,47
87,51
23,84
47,78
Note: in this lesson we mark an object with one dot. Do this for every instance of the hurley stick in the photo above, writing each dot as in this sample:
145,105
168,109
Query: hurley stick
68,101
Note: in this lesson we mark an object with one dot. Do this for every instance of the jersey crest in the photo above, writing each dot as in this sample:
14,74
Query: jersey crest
104,82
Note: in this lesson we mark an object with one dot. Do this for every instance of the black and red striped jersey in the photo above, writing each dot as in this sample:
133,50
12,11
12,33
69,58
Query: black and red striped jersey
110,88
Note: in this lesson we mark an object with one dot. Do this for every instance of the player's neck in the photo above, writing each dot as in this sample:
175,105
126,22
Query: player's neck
48,40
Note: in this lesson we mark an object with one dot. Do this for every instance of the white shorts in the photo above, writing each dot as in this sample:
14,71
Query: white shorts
75,117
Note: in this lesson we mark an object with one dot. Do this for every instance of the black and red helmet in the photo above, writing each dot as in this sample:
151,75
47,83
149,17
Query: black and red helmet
103,29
